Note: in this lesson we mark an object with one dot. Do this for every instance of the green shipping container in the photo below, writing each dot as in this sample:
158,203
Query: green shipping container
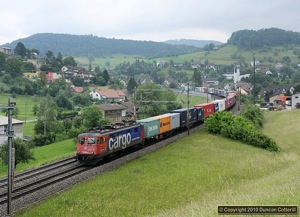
151,126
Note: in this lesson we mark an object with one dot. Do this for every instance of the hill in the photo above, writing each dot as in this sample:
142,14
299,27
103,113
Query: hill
251,39
89,45
192,42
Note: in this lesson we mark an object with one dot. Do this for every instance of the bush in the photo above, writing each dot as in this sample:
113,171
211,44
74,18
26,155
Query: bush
238,128
254,114
73,132
41,140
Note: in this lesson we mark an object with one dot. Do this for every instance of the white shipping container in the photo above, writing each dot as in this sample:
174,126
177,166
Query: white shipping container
175,120
221,103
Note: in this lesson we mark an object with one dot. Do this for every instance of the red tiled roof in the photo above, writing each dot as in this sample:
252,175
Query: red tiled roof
77,89
110,93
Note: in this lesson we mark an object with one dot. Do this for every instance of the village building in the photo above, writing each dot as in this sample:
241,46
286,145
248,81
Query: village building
17,127
295,101
131,111
108,95
32,75
70,72
114,112
272,94
243,87
52,76
36,62
6,50
236,75
196,65
210,81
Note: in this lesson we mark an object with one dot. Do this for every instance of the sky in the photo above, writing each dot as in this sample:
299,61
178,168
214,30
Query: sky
149,20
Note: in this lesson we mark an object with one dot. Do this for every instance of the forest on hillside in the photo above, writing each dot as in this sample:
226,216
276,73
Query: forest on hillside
89,45
251,39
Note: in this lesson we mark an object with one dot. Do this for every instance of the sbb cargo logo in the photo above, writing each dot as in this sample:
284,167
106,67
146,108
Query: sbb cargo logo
120,141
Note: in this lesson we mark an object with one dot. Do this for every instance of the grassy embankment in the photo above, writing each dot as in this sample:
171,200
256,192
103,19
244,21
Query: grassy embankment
45,154
191,177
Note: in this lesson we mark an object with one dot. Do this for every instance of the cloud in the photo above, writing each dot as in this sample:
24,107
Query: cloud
154,20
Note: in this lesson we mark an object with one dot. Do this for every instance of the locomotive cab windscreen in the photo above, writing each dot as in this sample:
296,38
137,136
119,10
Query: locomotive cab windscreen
91,141
87,141
81,140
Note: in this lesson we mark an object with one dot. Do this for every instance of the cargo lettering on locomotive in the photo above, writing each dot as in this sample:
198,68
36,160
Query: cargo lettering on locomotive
120,141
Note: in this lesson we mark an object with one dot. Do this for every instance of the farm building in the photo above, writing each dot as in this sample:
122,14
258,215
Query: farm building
295,100
17,127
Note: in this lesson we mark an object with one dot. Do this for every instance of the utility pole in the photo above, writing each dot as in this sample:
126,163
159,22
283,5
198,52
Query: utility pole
188,111
134,106
239,100
10,135
254,78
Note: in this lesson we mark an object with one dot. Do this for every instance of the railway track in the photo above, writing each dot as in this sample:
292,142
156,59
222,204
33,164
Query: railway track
35,179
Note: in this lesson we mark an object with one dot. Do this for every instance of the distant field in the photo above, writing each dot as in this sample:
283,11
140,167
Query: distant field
194,100
191,177
23,103
223,56
108,62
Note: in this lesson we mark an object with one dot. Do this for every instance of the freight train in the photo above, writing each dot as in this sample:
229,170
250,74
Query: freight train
95,145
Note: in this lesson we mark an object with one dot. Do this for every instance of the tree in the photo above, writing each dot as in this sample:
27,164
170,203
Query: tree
197,78
20,50
296,77
147,96
29,66
14,66
82,99
77,81
2,61
91,116
106,76
47,116
97,70
23,152
63,101
297,88
131,85
35,109
69,61
91,59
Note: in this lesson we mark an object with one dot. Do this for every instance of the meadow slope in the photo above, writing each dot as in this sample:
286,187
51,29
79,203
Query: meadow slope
191,177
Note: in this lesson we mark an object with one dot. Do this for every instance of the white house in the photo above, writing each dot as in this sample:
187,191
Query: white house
236,75
110,95
17,127
295,100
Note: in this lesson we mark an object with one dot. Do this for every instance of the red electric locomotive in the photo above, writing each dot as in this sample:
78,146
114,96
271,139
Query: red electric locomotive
93,146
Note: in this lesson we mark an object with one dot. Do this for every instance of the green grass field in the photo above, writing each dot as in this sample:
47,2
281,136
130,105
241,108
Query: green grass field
194,100
108,62
46,154
222,56
191,177
23,103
